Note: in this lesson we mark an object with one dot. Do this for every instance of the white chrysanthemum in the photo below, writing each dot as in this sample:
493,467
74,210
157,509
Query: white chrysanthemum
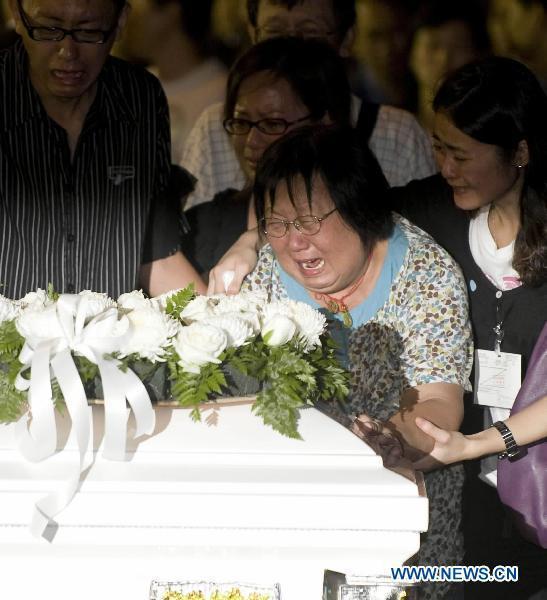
35,300
198,309
310,324
243,302
9,309
134,300
95,303
237,329
252,318
280,328
199,344
151,333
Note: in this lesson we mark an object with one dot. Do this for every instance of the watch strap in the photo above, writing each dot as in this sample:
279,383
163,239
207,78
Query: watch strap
512,450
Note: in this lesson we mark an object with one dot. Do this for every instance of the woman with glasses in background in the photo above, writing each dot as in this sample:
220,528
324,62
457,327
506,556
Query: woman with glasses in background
275,87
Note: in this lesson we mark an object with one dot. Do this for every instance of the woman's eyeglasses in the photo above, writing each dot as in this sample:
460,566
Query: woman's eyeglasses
306,224
236,126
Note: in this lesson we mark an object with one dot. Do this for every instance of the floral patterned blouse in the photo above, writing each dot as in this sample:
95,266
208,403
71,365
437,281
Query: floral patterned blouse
420,334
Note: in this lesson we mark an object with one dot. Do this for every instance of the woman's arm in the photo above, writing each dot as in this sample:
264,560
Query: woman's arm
441,403
170,273
399,436
527,426
240,259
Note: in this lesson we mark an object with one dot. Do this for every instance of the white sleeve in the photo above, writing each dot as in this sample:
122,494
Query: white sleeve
402,146
209,156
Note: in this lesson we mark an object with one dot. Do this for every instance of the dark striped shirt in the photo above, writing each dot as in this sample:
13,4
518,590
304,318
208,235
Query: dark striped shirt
91,222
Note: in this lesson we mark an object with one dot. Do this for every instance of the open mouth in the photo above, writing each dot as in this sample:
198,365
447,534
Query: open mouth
68,77
458,189
311,266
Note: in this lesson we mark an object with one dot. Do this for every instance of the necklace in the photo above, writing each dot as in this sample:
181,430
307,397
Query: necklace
338,305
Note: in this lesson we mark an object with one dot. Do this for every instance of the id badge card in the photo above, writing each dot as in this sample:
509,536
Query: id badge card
497,378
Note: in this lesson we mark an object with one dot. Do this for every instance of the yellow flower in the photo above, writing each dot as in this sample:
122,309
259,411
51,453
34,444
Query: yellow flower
173,596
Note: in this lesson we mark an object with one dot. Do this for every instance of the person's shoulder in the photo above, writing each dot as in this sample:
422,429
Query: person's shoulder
223,202
207,126
414,234
398,118
428,189
6,55
212,116
10,63
128,76
11,51
426,257
429,203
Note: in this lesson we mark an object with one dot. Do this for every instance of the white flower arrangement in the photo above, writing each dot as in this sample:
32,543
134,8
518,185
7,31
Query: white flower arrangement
193,342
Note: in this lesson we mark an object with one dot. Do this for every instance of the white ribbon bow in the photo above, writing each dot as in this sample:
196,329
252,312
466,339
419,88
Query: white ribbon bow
52,355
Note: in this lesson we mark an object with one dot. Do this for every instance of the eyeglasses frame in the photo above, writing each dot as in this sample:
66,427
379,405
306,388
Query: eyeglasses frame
256,124
296,224
30,29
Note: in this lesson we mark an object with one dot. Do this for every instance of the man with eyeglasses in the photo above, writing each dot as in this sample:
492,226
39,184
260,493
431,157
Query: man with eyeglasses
399,143
84,158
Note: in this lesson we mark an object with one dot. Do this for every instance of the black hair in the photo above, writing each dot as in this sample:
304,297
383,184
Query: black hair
119,4
343,11
195,20
348,169
435,14
529,2
312,68
499,101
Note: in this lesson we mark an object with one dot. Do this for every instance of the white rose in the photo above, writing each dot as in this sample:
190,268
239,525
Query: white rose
35,300
95,303
133,300
198,309
198,344
237,330
151,333
281,329
310,324
39,324
9,309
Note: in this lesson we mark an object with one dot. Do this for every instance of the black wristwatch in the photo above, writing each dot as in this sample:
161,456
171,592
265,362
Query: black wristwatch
512,450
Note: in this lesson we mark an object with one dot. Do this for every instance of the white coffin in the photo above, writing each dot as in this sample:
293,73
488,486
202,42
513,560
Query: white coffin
226,500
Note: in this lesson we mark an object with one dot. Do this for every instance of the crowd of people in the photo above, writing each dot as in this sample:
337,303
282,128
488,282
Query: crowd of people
381,160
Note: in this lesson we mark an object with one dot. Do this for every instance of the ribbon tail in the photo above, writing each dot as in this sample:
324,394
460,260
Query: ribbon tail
75,397
69,381
139,401
39,440
115,411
